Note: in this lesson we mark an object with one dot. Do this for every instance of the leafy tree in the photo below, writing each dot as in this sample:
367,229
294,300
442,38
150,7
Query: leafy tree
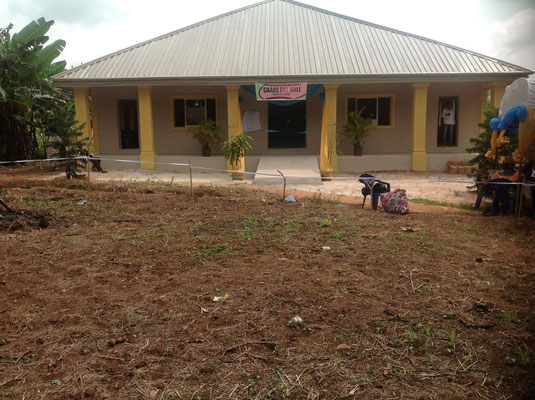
26,90
481,144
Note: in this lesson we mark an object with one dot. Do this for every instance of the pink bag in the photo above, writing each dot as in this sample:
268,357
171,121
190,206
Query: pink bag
395,202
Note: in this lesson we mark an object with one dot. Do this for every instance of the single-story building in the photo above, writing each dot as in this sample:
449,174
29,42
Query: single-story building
424,97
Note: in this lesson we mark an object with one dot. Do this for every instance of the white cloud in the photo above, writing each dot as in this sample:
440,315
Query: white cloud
514,39
87,13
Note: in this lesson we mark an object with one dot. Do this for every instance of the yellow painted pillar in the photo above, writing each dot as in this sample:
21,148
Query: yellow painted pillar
81,106
233,118
95,148
419,120
498,90
328,156
146,128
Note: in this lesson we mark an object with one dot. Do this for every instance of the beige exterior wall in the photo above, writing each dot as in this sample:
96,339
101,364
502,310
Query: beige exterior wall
166,140
396,140
383,140
171,141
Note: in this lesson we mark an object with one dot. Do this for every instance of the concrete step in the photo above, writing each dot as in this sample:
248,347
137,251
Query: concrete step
299,170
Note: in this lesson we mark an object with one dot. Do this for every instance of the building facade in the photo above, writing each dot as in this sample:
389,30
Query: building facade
424,97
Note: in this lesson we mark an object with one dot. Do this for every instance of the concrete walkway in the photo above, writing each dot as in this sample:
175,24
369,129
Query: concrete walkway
418,184
300,170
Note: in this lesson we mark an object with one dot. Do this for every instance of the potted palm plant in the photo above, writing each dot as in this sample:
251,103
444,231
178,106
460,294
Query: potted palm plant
234,150
356,129
206,132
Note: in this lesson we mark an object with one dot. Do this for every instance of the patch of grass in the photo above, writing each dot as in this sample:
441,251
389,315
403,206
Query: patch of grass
147,234
269,222
525,354
423,240
248,233
291,227
452,344
217,249
324,223
411,335
462,206
338,236
428,333
507,316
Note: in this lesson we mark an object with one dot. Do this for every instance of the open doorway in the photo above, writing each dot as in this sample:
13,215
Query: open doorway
448,115
287,126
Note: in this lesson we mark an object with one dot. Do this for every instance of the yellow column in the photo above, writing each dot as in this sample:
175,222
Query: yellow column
146,129
498,90
233,118
81,105
419,114
95,148
328,156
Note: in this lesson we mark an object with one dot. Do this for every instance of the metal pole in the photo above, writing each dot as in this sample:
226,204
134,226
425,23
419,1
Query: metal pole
88,173
190,178
284,185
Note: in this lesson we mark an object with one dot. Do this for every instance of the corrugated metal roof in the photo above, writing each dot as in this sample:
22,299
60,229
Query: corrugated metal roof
278,38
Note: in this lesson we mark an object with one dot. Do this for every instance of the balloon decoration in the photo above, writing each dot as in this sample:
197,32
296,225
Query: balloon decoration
517,112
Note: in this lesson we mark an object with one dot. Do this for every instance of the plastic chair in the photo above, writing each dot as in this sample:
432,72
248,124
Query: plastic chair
373,187
502,200
483,190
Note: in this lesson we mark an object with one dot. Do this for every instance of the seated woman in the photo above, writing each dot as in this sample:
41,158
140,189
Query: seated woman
508,171
503,194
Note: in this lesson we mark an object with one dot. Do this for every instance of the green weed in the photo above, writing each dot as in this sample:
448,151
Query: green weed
411,334
338,236
525,354
217,249
452,345
423,241
463,206
248,233
324,223
507,316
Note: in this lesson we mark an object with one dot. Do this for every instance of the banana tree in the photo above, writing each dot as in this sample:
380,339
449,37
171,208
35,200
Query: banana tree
26,90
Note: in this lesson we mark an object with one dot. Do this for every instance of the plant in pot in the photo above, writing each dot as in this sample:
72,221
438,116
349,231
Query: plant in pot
356,129
234,150
206,132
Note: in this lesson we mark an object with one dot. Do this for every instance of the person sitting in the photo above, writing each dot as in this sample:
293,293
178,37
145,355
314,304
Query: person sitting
96,164
503,198
508,171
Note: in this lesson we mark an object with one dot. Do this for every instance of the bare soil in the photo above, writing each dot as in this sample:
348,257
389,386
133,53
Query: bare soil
115,298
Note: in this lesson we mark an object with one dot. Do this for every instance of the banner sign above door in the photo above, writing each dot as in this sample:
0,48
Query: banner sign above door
281,91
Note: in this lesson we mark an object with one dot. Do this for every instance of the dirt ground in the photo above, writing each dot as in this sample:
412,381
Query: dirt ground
419,185
114,299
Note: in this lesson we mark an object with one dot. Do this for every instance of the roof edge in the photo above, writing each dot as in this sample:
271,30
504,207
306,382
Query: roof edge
341,79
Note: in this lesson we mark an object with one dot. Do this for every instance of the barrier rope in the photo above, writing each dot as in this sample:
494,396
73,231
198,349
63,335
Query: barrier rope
333,178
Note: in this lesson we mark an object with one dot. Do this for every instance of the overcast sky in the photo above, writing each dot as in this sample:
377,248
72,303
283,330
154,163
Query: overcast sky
504,29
